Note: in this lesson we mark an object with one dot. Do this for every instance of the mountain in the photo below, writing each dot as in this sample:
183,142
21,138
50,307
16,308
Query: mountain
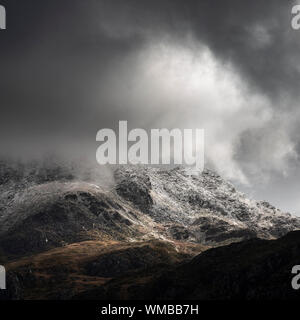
145,203
60,228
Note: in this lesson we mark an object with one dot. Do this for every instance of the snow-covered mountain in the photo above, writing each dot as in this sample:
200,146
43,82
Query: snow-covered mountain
202,208
64,235
52,208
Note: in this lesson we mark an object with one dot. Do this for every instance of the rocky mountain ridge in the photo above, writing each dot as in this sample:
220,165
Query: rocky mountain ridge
203,208
145,203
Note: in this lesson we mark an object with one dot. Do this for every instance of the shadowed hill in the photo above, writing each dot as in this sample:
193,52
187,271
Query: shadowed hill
254,269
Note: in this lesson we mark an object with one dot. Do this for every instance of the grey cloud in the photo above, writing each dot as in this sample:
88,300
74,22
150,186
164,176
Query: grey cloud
69,68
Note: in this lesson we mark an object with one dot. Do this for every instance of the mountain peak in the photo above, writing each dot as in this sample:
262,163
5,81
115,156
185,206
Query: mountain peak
205,204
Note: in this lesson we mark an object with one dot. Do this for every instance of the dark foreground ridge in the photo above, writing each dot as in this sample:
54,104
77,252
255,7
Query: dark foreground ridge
250,270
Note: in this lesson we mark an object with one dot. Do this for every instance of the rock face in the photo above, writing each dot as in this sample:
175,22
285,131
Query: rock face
204,208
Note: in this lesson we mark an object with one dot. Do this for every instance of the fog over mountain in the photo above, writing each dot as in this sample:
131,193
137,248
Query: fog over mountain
70,68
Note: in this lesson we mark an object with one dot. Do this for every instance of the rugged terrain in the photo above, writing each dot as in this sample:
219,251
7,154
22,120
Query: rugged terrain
250,270
64,236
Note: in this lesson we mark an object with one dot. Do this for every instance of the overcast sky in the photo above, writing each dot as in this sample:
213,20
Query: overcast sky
69,68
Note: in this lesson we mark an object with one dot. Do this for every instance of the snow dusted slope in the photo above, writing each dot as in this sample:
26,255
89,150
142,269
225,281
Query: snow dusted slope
203,208
48,208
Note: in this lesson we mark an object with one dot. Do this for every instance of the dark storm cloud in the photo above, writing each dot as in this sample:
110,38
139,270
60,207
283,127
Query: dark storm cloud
69,68
53,49
49,55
